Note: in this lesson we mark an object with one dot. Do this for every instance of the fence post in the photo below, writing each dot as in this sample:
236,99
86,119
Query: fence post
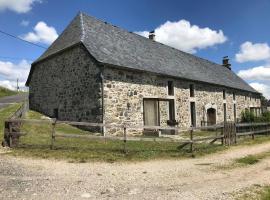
252,129
53,134
191,140
125,139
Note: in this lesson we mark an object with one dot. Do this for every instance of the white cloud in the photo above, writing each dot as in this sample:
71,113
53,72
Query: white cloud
24,23
42,33
19,6
256,73
11,71
263,88
253,52
186,37
12,85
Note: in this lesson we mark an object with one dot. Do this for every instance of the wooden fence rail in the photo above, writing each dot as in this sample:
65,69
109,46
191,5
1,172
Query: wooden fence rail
227,133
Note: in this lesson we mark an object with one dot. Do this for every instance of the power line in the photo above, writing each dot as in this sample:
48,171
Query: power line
18,38
14,58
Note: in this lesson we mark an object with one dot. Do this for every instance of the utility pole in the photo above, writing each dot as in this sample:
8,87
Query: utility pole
18,85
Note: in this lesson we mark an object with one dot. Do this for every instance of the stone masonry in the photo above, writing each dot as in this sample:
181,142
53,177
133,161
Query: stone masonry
125,90
70,82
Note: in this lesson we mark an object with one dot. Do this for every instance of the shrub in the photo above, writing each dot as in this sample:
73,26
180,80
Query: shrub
248,117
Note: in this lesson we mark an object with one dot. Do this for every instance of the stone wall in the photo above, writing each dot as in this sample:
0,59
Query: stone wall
69,82
124,92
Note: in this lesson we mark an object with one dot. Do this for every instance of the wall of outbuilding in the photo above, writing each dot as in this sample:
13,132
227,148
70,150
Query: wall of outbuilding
125,90
70,82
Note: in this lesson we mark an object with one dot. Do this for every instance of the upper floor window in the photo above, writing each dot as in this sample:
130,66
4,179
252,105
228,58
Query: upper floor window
170,88
224,94
191,89
234,96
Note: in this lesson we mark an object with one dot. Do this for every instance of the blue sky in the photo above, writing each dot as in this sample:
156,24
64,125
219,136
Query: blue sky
210,29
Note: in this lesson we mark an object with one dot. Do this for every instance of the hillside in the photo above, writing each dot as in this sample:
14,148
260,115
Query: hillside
6,92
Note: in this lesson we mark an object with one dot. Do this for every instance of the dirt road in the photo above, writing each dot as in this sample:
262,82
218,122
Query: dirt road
199,178
5,101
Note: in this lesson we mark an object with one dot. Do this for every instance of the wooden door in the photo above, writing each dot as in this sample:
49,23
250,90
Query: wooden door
151,113
211,116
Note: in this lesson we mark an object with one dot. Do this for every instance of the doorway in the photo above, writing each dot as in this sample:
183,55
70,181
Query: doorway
151,112
211,116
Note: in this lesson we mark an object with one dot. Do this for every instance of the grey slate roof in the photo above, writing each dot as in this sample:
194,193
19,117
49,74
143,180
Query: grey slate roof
112,45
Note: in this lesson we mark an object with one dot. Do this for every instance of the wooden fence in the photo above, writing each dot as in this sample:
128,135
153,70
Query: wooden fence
227,133
12,129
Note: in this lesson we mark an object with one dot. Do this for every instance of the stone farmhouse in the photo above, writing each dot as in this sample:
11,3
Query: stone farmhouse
97,72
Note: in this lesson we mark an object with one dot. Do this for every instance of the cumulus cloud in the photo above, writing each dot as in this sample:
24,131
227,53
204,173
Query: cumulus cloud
256,73
261,87
19,6
42,33
11,71
12,85
253,52
24,23
186,37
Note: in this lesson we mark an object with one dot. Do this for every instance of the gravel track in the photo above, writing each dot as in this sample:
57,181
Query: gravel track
199,178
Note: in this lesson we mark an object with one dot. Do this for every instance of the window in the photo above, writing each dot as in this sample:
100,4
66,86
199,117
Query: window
170,88
245,97
225,112
191,90
234,112
171,110
193,113
55,113
224,94
234,96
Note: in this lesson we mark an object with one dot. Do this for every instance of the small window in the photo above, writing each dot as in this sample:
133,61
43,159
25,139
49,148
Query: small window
55,113
193,114
170,88
225,112
171,110
234,112
224,94
234,96
191,89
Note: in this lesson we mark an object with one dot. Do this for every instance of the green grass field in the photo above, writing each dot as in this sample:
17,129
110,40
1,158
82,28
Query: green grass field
6,92
38,140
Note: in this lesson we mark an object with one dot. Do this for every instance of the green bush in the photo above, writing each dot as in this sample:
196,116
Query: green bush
248,117
266,116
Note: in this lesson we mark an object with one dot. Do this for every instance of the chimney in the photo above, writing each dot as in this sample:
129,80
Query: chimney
152,35
226,63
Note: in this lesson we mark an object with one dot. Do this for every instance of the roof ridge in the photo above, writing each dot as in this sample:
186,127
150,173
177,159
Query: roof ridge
82,27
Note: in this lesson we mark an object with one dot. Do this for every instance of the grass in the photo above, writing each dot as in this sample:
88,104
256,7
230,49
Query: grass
6,92
38,140
252,159
256,192
6,113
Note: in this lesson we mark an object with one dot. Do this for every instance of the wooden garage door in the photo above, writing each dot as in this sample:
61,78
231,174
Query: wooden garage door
151,112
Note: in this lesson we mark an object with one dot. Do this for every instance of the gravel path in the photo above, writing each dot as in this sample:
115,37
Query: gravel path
199,178
6,101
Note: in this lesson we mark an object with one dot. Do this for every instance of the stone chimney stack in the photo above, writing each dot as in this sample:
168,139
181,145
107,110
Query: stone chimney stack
152,35
226,63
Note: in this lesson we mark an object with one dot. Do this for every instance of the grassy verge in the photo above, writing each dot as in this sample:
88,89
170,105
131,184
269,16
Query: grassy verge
252,159
6,92
4,114
256,192
38,140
